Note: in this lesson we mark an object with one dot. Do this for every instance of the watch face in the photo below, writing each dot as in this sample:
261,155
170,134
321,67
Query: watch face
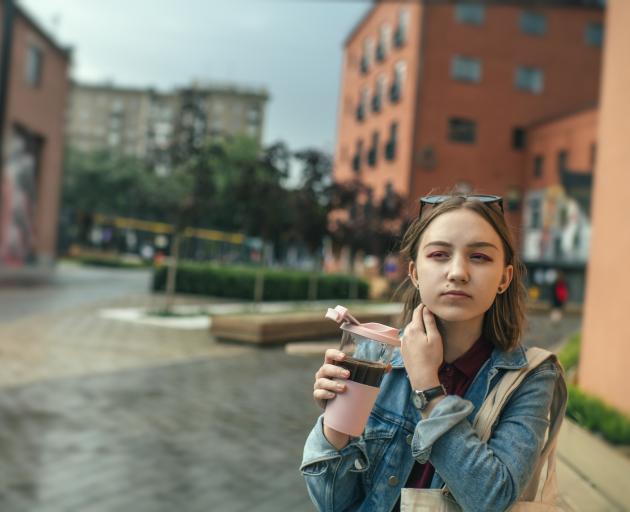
419,400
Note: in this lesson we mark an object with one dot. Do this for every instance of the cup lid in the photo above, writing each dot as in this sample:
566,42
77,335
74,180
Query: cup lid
371,330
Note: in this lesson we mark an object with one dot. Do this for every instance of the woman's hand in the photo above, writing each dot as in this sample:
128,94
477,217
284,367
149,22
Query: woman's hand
422,349
325,387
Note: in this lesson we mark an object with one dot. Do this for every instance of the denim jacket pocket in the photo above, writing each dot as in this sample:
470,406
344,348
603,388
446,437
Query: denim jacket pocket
316,468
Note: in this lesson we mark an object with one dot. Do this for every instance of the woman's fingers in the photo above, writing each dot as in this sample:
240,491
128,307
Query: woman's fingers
333,354
325,389
329,385
416,316
331,371
430,325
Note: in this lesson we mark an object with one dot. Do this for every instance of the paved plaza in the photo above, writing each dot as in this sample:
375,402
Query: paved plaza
100,415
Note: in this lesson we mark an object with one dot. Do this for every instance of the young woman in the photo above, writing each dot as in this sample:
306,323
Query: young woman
463,318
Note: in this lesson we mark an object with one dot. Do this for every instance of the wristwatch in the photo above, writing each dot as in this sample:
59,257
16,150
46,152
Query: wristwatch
421,398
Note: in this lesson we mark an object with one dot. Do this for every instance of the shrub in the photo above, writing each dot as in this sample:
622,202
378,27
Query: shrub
596,416
110,261
569,356
240,282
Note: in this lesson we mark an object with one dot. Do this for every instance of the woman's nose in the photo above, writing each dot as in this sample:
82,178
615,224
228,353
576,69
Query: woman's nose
458,269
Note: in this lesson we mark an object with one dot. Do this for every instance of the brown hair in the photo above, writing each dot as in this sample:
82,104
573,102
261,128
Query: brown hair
504,322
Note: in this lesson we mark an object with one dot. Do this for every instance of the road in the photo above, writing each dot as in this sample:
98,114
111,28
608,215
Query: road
72,286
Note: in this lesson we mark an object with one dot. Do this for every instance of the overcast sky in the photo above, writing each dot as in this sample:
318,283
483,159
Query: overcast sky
291,47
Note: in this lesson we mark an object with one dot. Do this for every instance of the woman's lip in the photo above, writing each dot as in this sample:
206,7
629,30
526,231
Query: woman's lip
455,294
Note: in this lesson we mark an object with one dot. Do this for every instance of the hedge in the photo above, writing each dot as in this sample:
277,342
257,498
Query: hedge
596,416
588,411
569,356
109,261
239,282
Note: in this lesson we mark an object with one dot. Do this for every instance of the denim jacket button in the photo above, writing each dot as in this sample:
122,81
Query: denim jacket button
409,438
393,481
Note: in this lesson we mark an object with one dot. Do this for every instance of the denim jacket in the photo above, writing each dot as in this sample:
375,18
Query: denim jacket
368,473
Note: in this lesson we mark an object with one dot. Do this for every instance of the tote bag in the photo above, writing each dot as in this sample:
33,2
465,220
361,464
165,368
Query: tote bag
531,500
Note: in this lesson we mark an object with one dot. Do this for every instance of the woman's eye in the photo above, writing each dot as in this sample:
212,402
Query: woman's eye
437,254
482,257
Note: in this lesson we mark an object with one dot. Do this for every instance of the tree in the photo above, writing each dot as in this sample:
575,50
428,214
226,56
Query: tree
363,224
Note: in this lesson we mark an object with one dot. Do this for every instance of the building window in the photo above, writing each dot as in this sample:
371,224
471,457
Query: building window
384,41
470,14
253,114
34,65
462,130
539,162
530,79
518,138
356,159
535,217
533,23
368,51
400,36
594,34
395,91
390,146
377,99
466,69
372,156
363,103
563,157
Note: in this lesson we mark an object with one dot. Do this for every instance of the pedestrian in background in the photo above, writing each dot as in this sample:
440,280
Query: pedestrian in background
559,297
463,317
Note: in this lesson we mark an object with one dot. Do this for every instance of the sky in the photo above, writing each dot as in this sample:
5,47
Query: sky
293,48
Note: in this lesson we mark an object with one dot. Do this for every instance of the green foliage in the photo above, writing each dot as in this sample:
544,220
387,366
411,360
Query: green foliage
111,184
109,261
594,415
569,356
239,282
588,411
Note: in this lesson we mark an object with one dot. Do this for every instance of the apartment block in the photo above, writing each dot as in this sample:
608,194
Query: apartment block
146,123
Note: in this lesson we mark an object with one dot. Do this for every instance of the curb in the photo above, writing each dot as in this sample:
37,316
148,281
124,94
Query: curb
596,462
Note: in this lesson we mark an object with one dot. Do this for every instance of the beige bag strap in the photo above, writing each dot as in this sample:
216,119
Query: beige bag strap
496,400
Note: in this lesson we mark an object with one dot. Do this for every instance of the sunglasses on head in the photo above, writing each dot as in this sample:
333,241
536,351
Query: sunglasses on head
484,198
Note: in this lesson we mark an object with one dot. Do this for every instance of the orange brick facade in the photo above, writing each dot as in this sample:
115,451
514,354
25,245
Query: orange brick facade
606,333
435,99
33,135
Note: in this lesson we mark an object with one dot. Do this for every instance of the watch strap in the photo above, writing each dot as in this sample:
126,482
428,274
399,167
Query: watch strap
434,392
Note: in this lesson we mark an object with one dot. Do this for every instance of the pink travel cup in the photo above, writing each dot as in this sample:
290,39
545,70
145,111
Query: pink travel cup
368,348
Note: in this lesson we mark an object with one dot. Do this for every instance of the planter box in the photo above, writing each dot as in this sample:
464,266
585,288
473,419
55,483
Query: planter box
270,329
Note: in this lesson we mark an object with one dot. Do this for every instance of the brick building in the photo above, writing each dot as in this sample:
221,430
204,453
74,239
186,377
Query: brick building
32,140
437,94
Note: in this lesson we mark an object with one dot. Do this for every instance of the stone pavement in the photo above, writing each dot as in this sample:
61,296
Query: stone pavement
98,415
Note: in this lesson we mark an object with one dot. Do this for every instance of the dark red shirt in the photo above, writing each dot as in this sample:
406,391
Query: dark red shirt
456,378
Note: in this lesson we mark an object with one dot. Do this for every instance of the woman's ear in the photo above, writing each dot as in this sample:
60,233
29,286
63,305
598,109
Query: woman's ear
506,278
413,274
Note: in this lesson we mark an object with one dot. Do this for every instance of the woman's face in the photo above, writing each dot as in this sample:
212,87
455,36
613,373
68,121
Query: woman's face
460,252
